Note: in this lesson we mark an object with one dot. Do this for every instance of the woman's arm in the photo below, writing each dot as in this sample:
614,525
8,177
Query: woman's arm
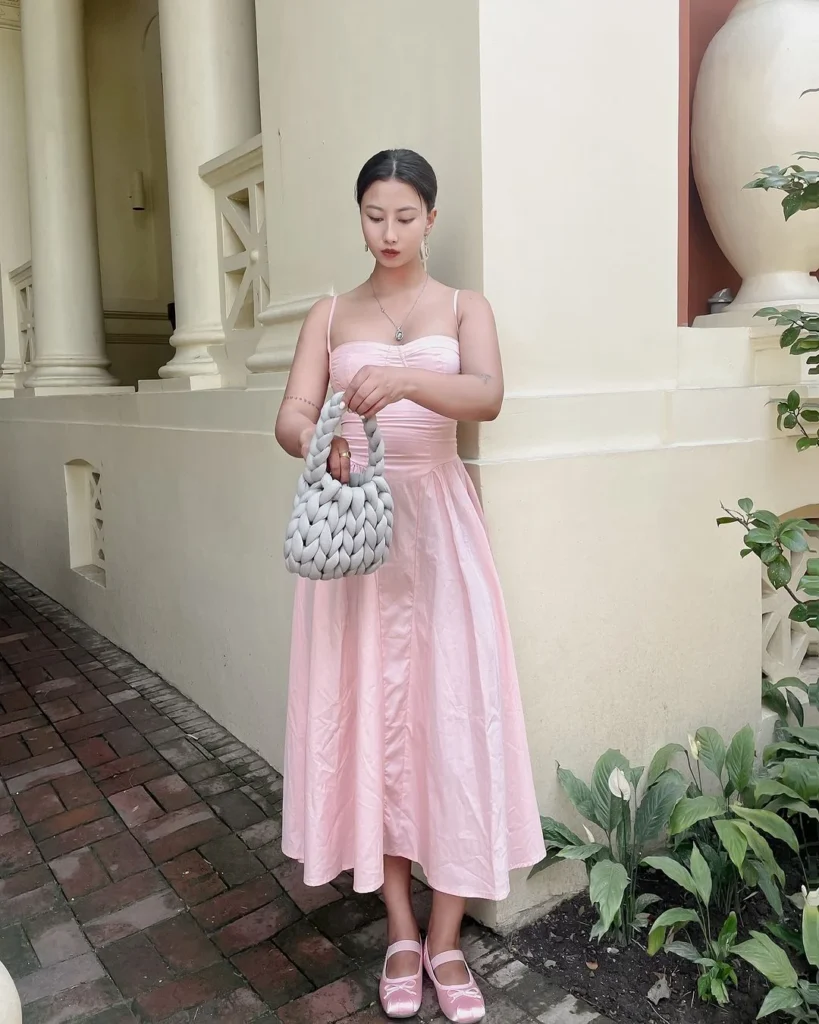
307,384
474,395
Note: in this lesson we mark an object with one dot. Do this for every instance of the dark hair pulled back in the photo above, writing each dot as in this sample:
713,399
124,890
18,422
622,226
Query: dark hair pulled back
399,165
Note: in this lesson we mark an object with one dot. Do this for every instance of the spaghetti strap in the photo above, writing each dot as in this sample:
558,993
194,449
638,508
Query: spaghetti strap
330,320
455,309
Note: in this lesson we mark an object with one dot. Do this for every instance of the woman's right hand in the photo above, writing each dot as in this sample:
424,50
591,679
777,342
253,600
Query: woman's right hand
339,460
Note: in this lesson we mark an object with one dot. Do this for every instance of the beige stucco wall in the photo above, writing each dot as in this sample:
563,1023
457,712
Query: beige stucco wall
579,162
340,82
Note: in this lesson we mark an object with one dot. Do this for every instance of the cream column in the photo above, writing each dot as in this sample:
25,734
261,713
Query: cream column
70,349
211,85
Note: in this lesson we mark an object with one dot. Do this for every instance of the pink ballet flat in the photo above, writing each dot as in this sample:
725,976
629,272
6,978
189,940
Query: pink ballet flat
401,997
460,1003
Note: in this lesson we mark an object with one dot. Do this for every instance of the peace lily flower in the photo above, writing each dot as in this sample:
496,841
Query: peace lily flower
811,898
618,784
589,834
694,747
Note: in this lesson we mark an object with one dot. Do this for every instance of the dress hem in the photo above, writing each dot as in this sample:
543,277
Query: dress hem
461,893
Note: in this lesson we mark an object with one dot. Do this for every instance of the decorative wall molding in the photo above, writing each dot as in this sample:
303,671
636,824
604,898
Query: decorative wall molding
10,14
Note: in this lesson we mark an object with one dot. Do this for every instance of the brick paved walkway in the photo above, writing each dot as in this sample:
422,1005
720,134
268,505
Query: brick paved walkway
141,872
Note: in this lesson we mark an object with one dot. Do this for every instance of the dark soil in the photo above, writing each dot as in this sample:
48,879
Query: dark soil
616,981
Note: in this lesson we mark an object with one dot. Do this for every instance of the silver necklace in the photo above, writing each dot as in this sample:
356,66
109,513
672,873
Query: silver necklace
399,332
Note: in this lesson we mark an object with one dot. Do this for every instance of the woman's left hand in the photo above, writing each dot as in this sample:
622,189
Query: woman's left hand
374,388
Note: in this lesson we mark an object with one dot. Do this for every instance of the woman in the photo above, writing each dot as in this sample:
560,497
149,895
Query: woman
405,734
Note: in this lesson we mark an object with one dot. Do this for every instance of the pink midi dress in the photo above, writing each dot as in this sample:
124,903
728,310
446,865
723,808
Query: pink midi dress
405,731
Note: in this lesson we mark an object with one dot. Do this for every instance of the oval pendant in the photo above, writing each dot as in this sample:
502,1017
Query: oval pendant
399,335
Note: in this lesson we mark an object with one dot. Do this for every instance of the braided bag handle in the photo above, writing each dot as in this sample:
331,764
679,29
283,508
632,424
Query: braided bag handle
339,529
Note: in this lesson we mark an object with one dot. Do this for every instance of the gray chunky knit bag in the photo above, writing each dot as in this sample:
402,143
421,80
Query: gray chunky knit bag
339,529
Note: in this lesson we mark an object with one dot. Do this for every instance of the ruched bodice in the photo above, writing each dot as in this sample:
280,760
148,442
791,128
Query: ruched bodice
415,439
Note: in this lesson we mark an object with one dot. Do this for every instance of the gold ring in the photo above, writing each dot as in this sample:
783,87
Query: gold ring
345,455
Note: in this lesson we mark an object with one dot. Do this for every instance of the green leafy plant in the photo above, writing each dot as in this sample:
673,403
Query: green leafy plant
631,809
801,329
795,997
768,537
801,187
713,958
780,698
792,790
730,819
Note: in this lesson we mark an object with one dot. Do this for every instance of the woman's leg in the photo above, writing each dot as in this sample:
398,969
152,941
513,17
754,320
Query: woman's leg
400,915
445,934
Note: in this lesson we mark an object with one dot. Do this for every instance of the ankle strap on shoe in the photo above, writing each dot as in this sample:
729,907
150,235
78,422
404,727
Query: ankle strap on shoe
446,958
404,946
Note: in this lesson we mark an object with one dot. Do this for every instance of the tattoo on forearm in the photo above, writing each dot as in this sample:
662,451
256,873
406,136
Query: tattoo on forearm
295,398
485,377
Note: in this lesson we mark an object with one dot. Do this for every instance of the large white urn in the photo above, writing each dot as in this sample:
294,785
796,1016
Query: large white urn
750,113
10,1009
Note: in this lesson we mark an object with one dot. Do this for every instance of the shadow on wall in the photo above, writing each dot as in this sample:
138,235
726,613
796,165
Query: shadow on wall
703,269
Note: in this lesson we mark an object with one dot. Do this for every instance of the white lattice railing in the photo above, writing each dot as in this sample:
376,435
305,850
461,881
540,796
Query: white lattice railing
23,284
237,180
785,644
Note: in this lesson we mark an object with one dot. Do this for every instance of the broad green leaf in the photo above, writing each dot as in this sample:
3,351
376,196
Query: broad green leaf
579,794
795,704
607,883
746,505
728,932
770,890
770,787
802,775
762,517
779,573
582,852
769,959
769,554
759,535
661,761
701,875
809,735
674,870
773,699
810,933
656,941
690,810
719,991
712,750
786,935
676,916
779,999
645,900
735,843
761,849
791,806
770,823
656,807
608,809
773,750
684,950
557,834
794,540
739,760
